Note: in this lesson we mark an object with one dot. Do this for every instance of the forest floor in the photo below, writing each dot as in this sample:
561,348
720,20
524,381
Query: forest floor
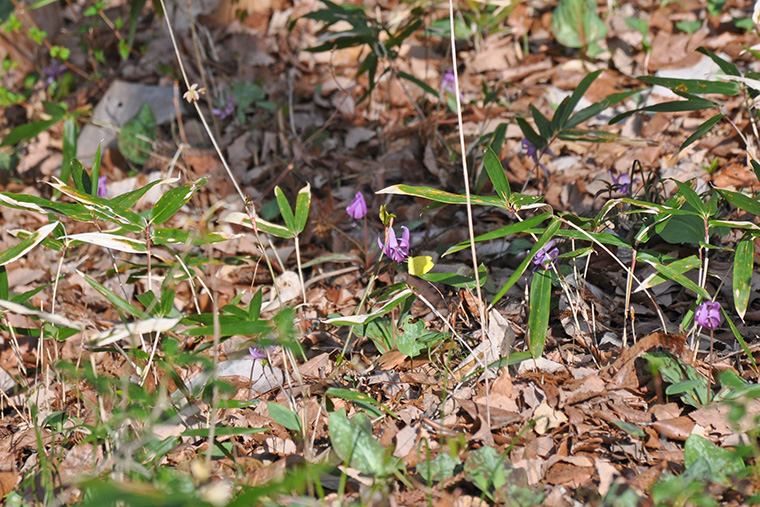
591,421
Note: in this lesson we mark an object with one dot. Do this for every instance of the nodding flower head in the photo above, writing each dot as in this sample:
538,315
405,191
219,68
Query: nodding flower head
708,314
622,183
396,249
53,71
358,207
545,256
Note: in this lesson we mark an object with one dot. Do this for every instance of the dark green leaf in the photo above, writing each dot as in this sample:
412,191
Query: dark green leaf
698,86
497,175
743,267
538,316
566,108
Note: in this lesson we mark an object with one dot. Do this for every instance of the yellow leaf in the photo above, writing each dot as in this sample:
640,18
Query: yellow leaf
420,265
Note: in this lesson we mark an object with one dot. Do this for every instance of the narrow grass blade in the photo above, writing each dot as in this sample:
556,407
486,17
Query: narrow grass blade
496,173
701,130
303,203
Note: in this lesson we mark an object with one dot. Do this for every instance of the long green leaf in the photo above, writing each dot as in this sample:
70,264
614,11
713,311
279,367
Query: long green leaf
285,211
565,109
740,339
538,316
548,234
698,86
496,173
681,279
594,109
69,147
701,130
530,134
95,174
114,299
740,200
743,267
28,131
502,232
173,200
680,266
675,106
727,67
27,244
692,197
542,122
303,203
442,196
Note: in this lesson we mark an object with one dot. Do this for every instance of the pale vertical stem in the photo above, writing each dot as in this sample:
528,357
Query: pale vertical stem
471,229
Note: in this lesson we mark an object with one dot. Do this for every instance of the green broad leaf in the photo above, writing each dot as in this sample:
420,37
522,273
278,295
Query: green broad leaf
486,469
551,230
303,203
422,84
692,198
439,468
285,211
27,244
697,86
684,386
540,307
681,279
82,181
756,168
137,135
575,24
173,200
103,208
166,306
455,279
743,267
70,132
284,416
243,219
373,407
353,442
231,327
416,338
680,266
192,237
114,299
596,108
111,241
391,303
496,174
568,105
223,431
542,122
698,104
502,232
28,131
726,66
740,339
740,200
442,196
673,371
722,462
629,428
530,134
701,130
129,199
44,206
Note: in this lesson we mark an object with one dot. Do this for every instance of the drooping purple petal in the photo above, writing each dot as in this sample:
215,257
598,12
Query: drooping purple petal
545,256
358,207
395,249
708,314
102,191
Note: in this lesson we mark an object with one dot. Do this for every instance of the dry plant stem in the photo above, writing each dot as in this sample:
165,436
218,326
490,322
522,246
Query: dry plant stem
202,71
626,268
300,270
217,338
628,290
470,227
178,112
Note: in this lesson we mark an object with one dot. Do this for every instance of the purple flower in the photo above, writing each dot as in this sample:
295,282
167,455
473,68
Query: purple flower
398,250
545,256
257,352
708,314
358,207
53,71
227,110
449,84
622,183
102,192
531,151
